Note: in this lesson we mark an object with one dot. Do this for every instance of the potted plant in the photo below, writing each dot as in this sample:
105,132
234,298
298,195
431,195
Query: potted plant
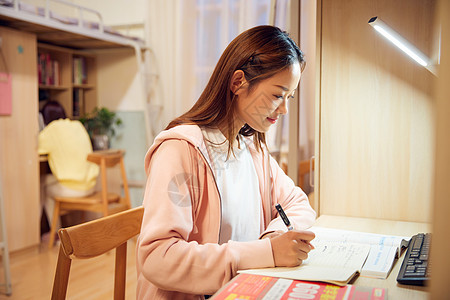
100,124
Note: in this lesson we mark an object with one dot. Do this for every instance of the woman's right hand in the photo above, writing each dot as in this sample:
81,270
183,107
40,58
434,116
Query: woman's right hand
291,248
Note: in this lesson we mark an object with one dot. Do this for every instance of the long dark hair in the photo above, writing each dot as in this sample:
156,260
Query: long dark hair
260,52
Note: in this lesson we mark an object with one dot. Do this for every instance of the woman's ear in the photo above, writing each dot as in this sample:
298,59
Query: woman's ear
237,81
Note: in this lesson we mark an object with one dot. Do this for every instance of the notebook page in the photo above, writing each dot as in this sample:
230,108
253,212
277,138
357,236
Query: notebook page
384,248
329,261
345,236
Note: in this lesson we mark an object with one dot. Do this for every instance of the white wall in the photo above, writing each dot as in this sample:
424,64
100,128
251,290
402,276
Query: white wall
308,80
118,80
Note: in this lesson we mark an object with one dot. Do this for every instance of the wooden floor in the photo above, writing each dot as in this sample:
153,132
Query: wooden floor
33,271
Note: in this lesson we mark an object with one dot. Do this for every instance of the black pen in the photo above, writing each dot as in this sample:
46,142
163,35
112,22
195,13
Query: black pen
288,223
284,217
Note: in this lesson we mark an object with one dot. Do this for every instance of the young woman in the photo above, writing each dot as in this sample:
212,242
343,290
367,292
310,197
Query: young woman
212,186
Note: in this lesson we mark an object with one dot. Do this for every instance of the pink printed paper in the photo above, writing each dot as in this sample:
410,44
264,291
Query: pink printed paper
5,94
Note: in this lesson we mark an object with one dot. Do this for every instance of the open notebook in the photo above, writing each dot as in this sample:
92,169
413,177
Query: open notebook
341,255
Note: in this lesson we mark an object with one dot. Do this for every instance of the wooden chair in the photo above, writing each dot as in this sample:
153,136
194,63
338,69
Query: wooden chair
92,239
104,202
304,168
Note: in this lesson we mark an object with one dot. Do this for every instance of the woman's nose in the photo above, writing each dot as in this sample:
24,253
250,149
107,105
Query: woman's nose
282,109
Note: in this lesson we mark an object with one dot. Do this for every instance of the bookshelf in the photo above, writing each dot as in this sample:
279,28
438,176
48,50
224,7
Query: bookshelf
69,77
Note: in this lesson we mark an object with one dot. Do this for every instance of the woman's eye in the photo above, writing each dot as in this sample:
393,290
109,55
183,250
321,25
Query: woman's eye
278,97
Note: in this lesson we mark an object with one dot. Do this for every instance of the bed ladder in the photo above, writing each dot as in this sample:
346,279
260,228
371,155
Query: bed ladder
4,246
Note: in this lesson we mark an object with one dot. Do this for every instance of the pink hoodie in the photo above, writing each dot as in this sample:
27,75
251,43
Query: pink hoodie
178,255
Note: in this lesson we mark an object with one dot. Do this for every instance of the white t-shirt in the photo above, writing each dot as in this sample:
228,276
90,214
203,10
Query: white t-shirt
238,186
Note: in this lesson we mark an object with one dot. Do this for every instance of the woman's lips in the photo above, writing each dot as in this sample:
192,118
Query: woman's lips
273,121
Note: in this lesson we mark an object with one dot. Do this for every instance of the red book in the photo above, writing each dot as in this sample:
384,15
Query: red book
247,286
48,70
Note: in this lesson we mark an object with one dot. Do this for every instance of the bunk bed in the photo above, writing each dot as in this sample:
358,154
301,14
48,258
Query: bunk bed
55,28
83,30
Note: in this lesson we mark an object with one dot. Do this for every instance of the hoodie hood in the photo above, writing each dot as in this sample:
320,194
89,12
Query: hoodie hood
193,135
189,133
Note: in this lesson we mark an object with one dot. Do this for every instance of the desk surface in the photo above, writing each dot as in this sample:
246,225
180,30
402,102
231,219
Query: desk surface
395,290
387,227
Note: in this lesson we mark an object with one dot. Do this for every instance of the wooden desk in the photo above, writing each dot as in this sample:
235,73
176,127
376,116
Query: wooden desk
394,290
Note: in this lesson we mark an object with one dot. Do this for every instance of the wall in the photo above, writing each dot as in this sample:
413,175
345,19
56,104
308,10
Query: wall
376,113
120,89
118,80
308,88
131,137
308,80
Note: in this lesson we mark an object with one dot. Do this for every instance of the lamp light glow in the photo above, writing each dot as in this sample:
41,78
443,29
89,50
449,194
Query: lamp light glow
399,41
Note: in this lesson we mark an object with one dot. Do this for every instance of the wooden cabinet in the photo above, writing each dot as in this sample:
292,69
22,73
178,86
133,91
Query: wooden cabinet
19,164
69,77
441,205
19,160
375,112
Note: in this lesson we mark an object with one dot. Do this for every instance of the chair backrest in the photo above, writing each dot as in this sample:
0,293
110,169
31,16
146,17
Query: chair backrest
304,167
94,238
107,159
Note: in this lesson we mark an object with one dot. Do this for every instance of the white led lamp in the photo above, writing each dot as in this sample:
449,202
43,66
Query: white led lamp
401,43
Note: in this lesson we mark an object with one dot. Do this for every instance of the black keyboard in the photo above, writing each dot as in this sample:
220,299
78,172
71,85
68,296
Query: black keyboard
415,269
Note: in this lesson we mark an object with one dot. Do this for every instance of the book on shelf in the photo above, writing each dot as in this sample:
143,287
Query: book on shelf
55,73
247,286
341,255
48,70
79,70
77,102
